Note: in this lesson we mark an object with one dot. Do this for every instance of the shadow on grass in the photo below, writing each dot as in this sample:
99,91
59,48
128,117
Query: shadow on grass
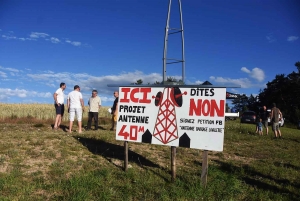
112,151
63,127
66,128
287,165
99,127
293,140
253,178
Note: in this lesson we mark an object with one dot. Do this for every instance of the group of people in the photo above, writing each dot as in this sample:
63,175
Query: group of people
75,105
274,116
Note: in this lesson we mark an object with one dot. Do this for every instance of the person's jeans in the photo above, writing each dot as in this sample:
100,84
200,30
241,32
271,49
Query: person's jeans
93,115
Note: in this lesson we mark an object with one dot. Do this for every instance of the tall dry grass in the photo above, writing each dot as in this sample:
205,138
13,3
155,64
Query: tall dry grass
39,111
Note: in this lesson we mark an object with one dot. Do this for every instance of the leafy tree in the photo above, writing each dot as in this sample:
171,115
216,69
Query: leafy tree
139,82
284,90
171,79
297,64
240,103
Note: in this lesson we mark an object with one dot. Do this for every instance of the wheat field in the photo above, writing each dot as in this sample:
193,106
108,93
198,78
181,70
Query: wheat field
39,111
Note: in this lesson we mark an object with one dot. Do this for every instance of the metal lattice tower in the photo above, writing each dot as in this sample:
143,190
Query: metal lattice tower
169,31
166,126
165,129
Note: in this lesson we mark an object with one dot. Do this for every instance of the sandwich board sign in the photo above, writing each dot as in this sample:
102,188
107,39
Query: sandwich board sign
180,116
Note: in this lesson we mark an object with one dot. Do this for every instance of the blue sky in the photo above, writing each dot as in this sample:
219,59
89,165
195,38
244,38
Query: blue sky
93,43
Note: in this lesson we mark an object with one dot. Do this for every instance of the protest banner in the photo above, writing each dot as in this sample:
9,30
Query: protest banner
190,117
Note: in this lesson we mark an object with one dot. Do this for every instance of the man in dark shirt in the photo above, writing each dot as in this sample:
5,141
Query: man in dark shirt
264,116
275,115
114,111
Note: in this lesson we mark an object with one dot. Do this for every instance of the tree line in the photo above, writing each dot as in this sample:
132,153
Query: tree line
284,90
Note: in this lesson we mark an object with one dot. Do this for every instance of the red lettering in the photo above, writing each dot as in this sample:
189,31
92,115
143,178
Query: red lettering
133,132
132,93
125,91
207,108
122,133
145,92
219,110
195,109
141,129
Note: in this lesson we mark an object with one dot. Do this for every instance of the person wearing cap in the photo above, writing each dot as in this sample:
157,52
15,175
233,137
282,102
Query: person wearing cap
94,106
75,107
59,104
275,114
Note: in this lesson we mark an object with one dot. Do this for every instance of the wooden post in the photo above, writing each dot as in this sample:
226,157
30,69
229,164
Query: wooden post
125,155
173,163
204,168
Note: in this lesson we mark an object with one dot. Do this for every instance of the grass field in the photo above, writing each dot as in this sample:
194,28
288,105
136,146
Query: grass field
37,163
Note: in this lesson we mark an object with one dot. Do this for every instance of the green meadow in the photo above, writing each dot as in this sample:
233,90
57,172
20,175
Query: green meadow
38,163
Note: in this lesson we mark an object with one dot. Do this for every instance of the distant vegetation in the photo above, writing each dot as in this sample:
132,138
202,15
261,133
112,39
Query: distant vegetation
284,90
39,111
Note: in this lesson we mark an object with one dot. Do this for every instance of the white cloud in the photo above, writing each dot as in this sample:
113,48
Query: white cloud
292,38
243,82
22,93
234,90
244,69
34,36
11,37
10,69
41,94
38,35
89,82
2,74
199,82
48,71
14,92
255,73
75,43
54,40
8,37
51,85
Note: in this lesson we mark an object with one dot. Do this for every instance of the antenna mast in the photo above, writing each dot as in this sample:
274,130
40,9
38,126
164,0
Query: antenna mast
167,33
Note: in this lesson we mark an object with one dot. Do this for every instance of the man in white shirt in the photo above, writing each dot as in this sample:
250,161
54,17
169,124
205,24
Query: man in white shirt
59,104
94,106
75,107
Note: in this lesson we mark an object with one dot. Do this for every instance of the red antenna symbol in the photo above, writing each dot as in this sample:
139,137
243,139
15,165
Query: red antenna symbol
165,129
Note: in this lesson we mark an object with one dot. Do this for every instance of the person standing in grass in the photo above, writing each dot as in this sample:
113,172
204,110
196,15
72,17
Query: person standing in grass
259,127
94,106
275,114
265,115
75,107
59,104
114,111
